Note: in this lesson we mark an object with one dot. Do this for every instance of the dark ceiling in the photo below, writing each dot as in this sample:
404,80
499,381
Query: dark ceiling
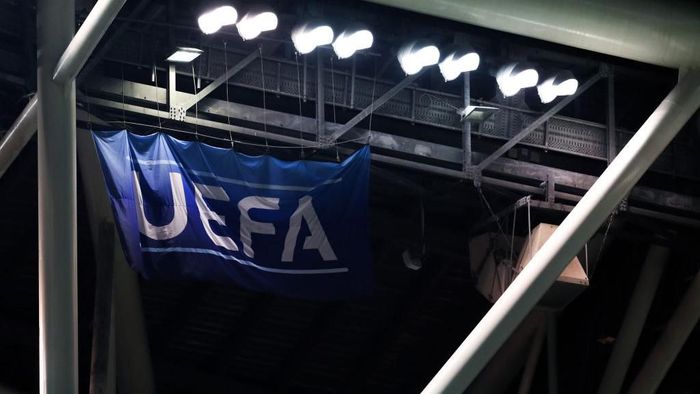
206,338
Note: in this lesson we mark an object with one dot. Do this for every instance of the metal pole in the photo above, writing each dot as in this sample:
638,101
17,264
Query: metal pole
669,345
320,98
134,371
612,130
58,293
466,127
634,319
101,382
532,359
544,268
18,135
86,39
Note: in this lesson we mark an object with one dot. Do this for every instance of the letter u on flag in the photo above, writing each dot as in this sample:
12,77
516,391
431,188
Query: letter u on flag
187,210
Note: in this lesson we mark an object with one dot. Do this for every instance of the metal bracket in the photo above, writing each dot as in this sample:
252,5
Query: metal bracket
178,112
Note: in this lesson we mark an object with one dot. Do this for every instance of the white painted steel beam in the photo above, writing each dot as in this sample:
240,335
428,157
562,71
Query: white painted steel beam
591,211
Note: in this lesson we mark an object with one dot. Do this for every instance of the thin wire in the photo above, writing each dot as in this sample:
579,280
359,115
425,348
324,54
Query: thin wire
301,122
493,214
196,106
228,117
123,102
155,74
512,236
333,87
371,112
337,154
605,235
262,78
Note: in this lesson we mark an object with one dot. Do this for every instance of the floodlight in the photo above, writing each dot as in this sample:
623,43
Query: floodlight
308,36
252,24
211,21
351,41
416,55
457,62
513,77
184,55
562,84
476,113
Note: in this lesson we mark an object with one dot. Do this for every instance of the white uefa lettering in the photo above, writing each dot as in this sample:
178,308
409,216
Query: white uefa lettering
250,226
316,240
179,220
206,214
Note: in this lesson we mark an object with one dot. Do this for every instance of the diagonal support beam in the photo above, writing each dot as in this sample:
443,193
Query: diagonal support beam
238,67
372,107
86,39
537,122
17,136
116,35
583,221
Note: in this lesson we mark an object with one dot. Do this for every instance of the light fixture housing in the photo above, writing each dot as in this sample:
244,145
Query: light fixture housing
514,77
562,83
458,61
255,22
352,40
477,113
416,55
309,36
184,55
212,21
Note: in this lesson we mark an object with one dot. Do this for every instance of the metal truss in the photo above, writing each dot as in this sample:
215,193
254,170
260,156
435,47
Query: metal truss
421,106
527,178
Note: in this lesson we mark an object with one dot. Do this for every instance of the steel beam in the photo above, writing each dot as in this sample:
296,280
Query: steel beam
58,292
102,378
114,36
243,63
677,331
466,126
532,359
86,39
611,127
17,136
634,320
537,122
451,156
340,131
133,361
581,223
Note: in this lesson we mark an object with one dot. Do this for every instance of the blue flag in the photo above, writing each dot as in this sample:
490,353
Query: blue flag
187,210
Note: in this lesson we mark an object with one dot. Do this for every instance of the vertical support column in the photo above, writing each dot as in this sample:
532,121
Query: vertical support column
352,83
532,359
133,359
58,293
102,377
634,319
466,127
552,371
320,98
612,130
677,331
